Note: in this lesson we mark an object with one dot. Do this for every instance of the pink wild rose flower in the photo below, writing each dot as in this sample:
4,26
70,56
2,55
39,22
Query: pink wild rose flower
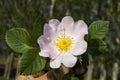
63,41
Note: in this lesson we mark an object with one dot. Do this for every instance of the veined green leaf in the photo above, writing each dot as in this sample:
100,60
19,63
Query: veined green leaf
102,45
96,46
98,29
18,39
31,63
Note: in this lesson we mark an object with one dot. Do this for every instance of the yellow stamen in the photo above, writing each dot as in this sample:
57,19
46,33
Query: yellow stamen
63,42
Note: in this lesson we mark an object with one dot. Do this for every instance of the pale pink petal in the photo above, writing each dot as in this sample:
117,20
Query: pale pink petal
80,28
60,29
54,24
53,53
47,49
44,53
43,42
55,63
51,30
69,60
49,52
79,48
48,33
67,22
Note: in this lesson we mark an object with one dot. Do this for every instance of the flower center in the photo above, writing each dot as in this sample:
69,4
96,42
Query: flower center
63,42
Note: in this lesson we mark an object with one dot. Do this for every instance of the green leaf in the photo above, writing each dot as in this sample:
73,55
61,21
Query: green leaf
18,39
102,45
31,63
80,60
56,73
74,78
85,60
98,29
96,47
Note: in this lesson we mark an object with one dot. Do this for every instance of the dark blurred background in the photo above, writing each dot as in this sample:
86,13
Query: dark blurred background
33,14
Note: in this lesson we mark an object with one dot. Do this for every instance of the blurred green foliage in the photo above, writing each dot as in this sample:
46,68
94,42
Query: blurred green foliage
2,78
33,14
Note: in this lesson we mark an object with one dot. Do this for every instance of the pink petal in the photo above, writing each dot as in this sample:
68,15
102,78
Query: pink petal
55,63
47,48
80,28
47,52
67,22
53,53
60,29
50,30
69,60
79,48
54,24
44,53
42,41
48,33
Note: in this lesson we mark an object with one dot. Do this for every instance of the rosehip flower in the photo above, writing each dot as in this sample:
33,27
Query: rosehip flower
63,41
